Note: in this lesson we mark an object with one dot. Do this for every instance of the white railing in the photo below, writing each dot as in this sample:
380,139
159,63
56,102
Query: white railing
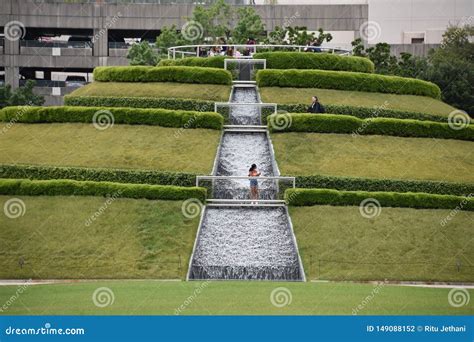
277,178
183,50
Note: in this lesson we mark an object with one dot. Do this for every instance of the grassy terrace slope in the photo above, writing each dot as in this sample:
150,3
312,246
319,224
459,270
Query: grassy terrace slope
227,298
121,146
211,92
374,156
412,103
130,239
399,244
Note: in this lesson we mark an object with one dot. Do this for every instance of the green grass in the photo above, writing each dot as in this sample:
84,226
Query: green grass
129,239
120,146
226,298
422,104
374,156
338,243
212,92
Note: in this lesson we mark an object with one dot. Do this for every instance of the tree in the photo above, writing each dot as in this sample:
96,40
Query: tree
22,96
249,25
384,62
323,37
142,54
299,36
213,21
277,36
169,37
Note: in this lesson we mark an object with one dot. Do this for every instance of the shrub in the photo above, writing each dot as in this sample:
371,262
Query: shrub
98,175
344,124
65,187
373,184
140,102
180,74
130,116
207,62
308,197
325,61
345,80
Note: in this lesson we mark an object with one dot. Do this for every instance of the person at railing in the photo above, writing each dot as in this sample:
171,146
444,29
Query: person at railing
316,107
253,172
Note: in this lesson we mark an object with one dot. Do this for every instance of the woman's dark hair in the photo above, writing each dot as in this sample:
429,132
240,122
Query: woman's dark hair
253,167
316,98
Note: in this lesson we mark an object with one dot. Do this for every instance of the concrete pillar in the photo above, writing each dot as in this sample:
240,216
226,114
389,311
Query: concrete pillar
12,76
12,71
101,42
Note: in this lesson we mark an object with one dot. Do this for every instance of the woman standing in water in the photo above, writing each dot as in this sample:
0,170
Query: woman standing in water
253,172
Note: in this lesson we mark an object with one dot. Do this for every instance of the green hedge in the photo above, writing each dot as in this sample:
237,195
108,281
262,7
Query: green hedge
98,175
131,116
27,187
345,80
205,62
325,61
180,74
344,124
365,112
374,184
140,102
308,197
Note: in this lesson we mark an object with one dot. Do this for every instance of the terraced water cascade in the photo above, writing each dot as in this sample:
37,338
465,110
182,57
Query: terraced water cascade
237,238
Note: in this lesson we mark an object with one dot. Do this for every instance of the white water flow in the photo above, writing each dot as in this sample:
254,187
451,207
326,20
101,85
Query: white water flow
245,242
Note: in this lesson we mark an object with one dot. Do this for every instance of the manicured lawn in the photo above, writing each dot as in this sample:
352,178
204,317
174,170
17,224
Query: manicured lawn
226,298
411,103
338,243
120,146
374,156
212,92
128,239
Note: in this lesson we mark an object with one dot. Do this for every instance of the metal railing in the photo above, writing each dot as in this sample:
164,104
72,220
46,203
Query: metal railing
64,45
241,113
196,50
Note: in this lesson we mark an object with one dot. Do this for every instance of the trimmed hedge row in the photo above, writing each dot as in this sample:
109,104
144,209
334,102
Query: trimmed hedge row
66,187
180,74
98,175
346,80
205,62
140,102
131,116
309,197
344,124
365,112
324,61
393,185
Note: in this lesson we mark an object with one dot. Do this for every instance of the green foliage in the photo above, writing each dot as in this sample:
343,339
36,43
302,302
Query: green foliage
309,197
374,184
22,96
142,54
208,62
98,175
180,74
344,124
140,102
306,60
129,116
169,37
66,187
215,21
249,25
345,80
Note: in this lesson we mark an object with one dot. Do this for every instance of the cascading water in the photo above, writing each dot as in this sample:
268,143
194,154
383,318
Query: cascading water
245,242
